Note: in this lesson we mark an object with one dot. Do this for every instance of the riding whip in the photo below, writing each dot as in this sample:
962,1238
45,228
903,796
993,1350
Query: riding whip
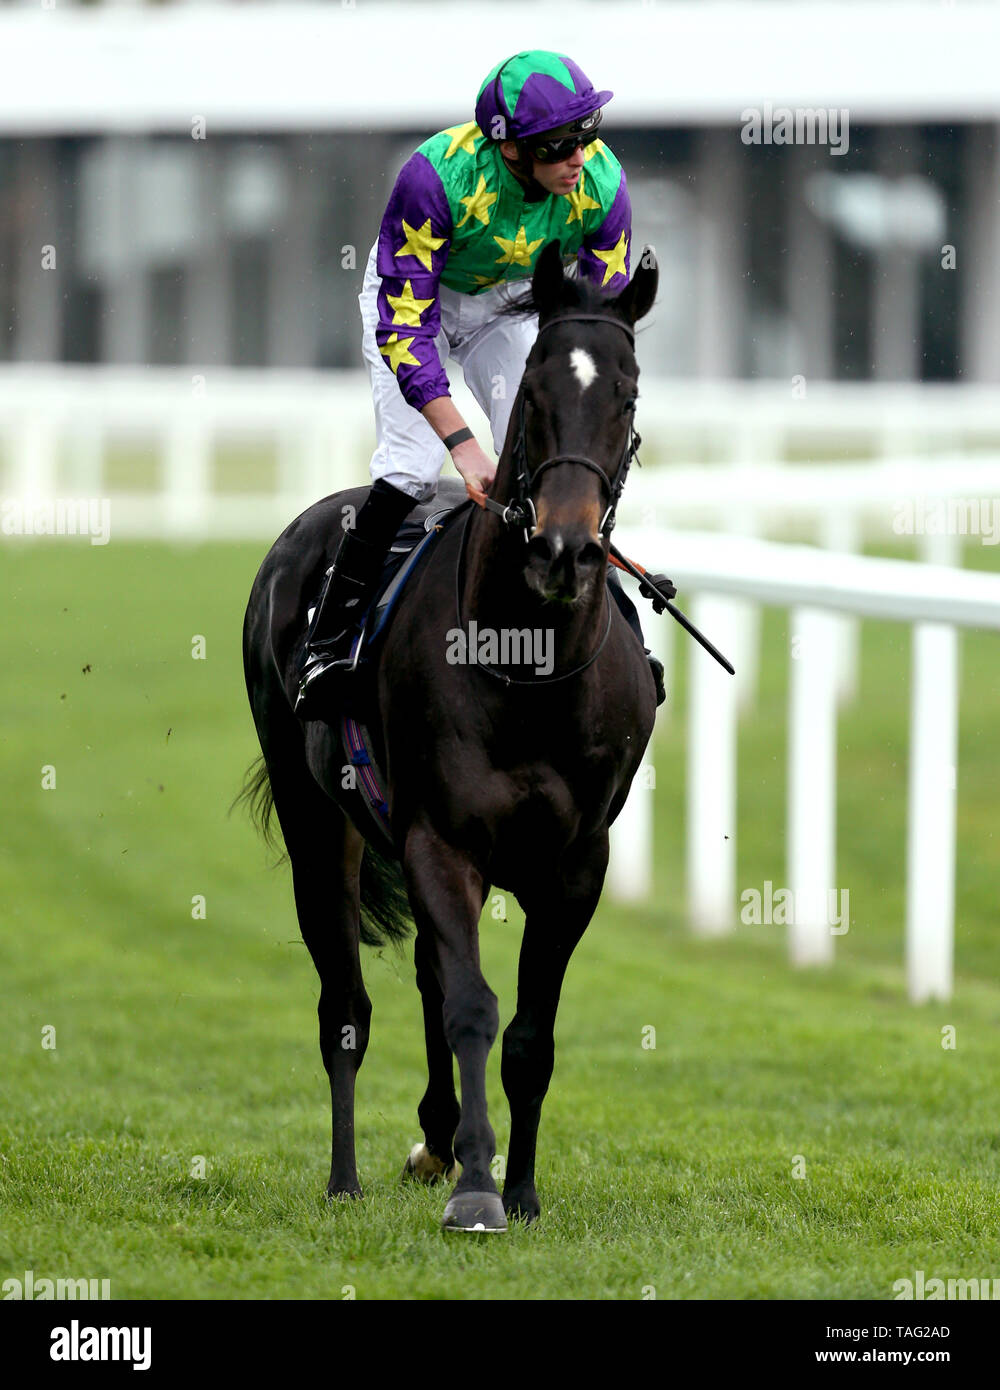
637,572
618,559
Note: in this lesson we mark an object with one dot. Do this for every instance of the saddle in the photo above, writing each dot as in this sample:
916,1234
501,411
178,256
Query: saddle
413,541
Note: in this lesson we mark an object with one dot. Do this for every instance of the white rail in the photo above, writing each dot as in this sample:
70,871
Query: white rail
59,425
815,585
60,428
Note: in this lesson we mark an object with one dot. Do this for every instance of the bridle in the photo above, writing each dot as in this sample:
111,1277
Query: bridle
520,510
517,512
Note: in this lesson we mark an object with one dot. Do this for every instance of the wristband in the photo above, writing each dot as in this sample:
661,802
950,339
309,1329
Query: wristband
459,437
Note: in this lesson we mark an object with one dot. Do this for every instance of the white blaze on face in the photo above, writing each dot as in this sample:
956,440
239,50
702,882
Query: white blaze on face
583,365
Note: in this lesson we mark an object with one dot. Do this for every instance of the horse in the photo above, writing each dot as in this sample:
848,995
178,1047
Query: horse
497,775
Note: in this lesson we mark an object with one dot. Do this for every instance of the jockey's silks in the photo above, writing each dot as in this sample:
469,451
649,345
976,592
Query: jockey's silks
458,217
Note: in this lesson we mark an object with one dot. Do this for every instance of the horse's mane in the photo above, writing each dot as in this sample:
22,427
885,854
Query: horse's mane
576,293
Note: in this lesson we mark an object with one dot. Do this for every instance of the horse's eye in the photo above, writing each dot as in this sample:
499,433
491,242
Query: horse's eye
629,405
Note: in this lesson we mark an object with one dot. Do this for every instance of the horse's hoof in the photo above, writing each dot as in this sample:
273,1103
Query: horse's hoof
522,1209
474,1211
347,1194
424,1167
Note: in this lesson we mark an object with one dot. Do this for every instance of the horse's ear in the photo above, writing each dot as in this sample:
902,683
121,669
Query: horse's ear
636,299
547,279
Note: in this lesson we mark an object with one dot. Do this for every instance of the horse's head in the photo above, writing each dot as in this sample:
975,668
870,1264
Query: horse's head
572,422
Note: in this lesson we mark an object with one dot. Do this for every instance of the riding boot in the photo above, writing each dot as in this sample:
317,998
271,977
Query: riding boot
350,587
656,666
631,616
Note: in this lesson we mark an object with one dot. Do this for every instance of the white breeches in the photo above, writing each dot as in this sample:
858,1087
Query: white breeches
491,351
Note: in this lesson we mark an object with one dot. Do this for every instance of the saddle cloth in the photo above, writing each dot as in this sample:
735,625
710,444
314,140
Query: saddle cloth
413,541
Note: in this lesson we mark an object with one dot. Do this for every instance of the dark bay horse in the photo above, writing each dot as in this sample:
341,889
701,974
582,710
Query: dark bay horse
495,776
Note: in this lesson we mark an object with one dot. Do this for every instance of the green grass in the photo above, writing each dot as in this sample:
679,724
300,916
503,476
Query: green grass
673,1167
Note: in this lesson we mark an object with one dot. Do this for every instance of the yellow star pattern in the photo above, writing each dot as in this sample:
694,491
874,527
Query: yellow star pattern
463,137
420,243
519,251
406,308
614,259
477,204
595,147
397,352
579,203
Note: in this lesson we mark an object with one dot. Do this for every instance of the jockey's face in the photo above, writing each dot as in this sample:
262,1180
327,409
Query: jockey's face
554,178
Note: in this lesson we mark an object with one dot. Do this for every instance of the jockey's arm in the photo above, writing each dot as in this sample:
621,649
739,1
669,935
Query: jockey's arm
475,466
414,241
604,257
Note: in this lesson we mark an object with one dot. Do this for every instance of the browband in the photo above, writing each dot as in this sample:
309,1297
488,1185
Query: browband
599,318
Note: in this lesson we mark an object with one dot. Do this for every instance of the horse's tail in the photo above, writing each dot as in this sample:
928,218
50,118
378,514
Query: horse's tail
258,799
385,907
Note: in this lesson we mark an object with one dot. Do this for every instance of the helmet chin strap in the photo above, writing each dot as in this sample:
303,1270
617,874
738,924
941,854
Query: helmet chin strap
525,174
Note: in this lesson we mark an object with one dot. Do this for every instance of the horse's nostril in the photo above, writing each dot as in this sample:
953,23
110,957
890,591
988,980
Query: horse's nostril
540,548
590,554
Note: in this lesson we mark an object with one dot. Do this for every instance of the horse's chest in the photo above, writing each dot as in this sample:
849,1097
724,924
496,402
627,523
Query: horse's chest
555,792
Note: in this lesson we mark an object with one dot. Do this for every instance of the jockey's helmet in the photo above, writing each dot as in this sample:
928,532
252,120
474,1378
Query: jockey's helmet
544,96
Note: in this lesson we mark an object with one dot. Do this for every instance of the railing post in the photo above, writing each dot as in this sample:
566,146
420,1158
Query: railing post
35,446
711,774
187,481
930,836
630,868
812,783
841,533
86,450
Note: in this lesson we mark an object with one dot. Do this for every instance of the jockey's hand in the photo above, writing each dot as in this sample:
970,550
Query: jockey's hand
658,588
475,467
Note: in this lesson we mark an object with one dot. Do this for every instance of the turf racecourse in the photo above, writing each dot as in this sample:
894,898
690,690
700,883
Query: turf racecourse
186,1044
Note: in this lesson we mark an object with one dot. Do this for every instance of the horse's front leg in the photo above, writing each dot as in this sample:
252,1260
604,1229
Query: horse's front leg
446,892
557,912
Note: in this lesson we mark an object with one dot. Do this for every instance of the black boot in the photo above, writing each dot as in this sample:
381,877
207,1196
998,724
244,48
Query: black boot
631,616
656,666
349,589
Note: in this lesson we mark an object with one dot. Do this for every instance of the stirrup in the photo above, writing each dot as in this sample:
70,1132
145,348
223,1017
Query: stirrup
316,674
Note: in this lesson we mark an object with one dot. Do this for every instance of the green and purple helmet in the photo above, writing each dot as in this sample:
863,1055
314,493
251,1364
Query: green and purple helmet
536,93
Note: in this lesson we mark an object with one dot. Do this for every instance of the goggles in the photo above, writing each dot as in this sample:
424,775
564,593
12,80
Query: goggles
553,149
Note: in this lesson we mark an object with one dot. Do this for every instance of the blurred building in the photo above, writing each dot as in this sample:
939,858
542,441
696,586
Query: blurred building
130,233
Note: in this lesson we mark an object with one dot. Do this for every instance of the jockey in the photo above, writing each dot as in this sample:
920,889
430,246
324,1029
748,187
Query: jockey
468,213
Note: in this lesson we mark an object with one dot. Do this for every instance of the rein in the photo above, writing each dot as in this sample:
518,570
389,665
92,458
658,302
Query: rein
521,509
518,511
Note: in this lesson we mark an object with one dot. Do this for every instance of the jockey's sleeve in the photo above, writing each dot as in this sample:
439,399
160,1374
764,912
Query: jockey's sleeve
413,244
603,256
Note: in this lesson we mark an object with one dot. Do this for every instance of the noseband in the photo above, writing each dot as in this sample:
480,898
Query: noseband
520,511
